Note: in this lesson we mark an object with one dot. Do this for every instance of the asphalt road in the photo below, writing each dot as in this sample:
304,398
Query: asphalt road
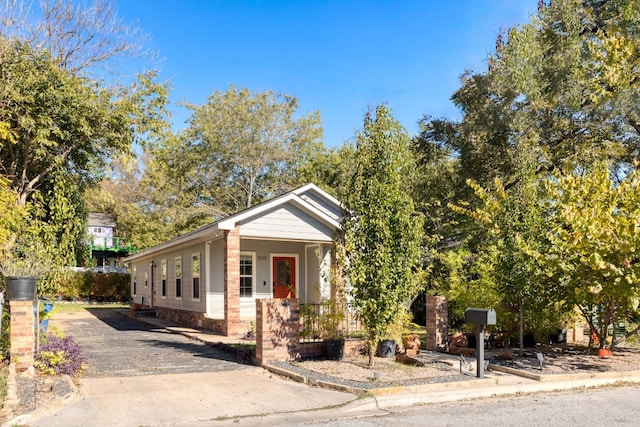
592,407
117,346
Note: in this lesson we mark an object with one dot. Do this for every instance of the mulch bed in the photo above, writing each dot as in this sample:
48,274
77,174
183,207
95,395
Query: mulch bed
566,359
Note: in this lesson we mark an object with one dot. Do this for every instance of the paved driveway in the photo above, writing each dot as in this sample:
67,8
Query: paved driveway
115,346
139,375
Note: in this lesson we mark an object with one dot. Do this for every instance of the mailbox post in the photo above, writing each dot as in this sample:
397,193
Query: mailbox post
480,317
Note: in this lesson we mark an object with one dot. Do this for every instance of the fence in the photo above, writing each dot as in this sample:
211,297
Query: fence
329,321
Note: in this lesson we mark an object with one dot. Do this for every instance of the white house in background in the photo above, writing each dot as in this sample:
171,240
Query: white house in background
101,229
211,277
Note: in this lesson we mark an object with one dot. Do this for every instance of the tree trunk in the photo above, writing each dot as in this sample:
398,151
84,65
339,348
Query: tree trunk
521,328
372,351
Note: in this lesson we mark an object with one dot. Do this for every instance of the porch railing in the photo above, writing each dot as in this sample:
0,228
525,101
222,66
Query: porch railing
328,321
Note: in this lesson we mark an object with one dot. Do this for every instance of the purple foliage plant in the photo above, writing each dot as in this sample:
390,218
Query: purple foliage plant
60,356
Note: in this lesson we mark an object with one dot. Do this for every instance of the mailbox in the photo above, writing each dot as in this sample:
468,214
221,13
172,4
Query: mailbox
480,316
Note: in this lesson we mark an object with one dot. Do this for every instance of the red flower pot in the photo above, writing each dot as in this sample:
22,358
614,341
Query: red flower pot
604,352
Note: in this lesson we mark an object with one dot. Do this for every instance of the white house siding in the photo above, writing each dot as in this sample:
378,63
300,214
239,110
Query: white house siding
287,222
170,301
321,203
215,291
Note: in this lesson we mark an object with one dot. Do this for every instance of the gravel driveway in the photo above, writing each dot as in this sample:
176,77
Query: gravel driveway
115,346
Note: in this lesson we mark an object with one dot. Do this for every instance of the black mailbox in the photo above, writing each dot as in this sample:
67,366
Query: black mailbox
480,316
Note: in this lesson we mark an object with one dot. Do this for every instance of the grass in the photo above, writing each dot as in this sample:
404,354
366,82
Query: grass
75,307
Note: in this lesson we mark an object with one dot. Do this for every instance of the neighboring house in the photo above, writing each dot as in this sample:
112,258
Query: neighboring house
212,277
101,229
104,246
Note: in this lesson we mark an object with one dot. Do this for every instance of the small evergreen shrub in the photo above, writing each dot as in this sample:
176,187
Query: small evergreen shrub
60,356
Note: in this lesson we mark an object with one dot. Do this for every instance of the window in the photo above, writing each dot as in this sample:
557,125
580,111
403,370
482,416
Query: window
163,273
195,276
97,230
179,277
133,277
246,275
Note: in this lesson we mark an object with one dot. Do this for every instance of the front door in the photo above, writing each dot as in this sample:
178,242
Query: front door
284,277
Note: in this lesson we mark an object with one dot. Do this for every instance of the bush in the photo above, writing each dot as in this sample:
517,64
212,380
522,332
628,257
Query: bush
60,356
97,286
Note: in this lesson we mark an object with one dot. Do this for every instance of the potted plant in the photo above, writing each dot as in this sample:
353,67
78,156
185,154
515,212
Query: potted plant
330,322
21,267
393,335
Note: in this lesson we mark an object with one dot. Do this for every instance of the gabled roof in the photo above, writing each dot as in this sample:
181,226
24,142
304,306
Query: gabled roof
100,220
310,199
295,197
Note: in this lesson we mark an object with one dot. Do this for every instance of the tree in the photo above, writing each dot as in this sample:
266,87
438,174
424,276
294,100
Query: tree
78,35
591,251
12,216
242,145
52,120
382,230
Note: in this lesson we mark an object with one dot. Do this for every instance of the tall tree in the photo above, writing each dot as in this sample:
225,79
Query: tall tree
242,145
591,251
382,230
52,120
78,35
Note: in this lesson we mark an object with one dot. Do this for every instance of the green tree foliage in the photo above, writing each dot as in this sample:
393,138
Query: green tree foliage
591,251
570,75
382,230
12,216
53,120
242,145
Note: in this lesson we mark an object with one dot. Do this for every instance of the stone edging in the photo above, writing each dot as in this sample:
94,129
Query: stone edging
378,391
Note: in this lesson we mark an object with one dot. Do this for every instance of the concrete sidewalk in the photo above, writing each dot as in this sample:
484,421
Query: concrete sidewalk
254,396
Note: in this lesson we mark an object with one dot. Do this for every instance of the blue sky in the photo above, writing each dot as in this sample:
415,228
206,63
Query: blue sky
338,57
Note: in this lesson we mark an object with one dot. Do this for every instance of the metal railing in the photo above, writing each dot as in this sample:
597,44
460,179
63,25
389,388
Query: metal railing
324,321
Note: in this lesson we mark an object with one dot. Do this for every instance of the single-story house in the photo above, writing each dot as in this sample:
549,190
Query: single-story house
211,277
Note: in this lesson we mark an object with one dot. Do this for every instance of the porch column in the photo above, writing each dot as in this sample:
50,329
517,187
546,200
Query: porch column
231,280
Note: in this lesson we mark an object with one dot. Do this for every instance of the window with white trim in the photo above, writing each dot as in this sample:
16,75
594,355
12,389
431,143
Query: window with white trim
163,277
195,276
178,262
246,274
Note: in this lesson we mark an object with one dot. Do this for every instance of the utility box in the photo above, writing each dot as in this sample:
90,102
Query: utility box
480,316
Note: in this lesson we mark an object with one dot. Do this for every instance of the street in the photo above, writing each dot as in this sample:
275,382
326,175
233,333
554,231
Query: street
613,406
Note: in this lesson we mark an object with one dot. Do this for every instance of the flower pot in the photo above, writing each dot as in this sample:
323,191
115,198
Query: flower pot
387,348
22,288
604,352
333,349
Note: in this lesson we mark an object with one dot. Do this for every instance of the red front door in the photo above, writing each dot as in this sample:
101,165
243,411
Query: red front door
284,277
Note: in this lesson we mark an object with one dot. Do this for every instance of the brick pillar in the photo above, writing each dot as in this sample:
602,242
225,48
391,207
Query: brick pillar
437,319
277,330
22,334
232,281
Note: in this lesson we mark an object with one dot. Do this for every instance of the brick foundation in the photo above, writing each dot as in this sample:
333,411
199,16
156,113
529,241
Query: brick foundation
22,334
437,319
200,321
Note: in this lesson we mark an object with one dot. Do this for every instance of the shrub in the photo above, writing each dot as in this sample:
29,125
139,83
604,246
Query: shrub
60,356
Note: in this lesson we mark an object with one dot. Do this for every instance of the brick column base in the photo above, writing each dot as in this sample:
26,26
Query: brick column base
277,330
437,319
22,334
